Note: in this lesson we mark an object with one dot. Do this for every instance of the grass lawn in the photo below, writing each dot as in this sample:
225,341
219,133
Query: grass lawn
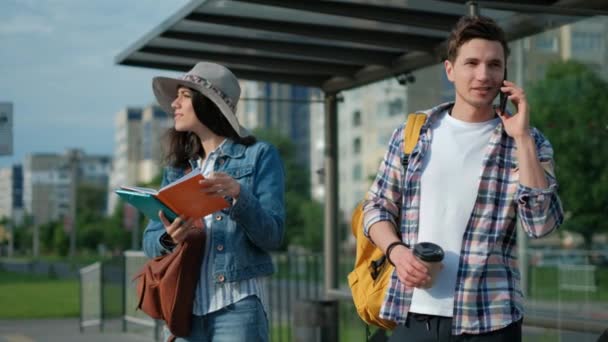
545,285
31,296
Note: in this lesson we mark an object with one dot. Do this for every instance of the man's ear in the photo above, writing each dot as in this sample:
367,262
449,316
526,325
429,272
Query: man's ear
449,70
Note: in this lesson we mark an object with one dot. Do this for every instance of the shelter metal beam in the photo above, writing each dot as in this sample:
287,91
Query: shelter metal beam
406,63
259,62
535,9
386,14
306,50
382,38
330,233
241,73
565,8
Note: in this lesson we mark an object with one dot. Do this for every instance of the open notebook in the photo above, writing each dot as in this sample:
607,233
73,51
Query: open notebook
180,198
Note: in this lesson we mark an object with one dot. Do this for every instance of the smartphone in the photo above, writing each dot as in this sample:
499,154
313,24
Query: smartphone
503,96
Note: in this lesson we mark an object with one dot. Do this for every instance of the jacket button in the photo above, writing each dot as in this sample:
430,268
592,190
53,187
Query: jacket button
221,161
220,247
221,278
218,217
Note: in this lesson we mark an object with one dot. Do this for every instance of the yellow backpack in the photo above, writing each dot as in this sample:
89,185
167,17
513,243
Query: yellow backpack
370,277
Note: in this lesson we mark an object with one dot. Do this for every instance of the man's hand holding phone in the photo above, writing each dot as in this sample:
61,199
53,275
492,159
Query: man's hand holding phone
502,107
517,124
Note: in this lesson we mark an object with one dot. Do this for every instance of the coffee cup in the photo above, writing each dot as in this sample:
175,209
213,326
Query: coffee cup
431,255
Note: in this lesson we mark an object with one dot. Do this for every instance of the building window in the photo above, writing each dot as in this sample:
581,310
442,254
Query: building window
395,107
586,41
357,118
147,132
357,145
357,172
546,42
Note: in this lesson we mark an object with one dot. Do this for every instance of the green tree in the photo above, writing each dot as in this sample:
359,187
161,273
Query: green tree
93,226
304,216
47,236
61,241
23,235
568,106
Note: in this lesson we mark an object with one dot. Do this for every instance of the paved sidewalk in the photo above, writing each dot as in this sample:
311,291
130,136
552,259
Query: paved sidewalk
64,330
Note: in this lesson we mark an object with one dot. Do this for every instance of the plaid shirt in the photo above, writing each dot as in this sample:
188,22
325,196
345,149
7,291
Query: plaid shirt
487,295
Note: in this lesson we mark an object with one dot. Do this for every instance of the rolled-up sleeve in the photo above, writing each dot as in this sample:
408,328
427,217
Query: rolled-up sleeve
383,198
540,210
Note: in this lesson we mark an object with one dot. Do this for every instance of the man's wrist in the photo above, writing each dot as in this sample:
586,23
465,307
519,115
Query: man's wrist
391,247
524,138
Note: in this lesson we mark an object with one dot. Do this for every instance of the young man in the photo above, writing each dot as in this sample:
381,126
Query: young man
475,171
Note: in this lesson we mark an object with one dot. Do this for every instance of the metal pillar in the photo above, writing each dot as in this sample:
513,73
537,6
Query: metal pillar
522,237
11,241
473,8
73,161
330,241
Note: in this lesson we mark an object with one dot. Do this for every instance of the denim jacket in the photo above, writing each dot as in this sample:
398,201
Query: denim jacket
245,232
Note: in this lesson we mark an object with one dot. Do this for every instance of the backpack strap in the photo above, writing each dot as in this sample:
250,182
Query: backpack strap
410,134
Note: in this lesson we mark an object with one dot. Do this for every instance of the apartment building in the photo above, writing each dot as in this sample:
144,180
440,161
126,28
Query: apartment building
50,180
282,108
367,117
11,193
138,148
154,125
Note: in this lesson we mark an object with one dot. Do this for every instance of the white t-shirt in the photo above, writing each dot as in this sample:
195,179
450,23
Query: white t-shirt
451,170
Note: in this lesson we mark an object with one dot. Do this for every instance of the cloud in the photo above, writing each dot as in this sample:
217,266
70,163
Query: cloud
26,24
58,69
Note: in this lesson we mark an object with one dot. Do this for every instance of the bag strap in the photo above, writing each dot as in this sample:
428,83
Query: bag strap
143,291
411,133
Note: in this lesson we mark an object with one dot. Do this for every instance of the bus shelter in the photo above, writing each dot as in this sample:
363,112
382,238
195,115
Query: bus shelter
333,45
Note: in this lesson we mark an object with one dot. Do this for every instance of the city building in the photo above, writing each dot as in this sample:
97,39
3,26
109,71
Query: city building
584,41
154,125
6,128
138,148
282,108
11,194
50,180
367,118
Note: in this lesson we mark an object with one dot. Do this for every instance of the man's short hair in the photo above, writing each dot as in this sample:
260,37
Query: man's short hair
468,28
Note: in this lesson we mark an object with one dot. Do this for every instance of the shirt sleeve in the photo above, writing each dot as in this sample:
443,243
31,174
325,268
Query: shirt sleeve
540,210
383,198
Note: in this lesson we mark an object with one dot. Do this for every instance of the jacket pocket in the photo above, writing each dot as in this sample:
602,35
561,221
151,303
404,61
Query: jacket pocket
242,174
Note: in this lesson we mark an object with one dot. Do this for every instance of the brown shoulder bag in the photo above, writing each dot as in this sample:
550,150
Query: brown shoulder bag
166,284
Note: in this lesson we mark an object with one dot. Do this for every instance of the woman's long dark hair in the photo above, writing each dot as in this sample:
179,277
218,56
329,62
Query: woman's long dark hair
184,146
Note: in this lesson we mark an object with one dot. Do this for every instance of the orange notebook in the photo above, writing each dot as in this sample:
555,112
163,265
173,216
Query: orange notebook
184,197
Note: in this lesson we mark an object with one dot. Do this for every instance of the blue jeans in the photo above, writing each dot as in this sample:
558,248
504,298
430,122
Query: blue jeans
243,321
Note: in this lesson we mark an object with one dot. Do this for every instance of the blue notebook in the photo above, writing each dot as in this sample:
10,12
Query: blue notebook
148,204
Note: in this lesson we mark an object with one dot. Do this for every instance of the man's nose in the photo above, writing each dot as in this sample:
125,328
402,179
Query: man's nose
482,73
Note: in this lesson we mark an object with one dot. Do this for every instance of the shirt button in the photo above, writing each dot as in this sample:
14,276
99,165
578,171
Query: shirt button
221,278
221,161
218,218
220,247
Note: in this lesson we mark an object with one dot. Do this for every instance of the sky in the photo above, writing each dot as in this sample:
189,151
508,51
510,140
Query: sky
57,68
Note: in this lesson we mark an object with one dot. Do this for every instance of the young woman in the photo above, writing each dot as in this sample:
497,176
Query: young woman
229,303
